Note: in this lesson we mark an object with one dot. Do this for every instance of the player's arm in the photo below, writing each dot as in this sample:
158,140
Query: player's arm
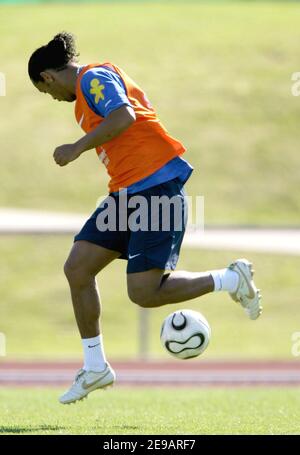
113,105
113,125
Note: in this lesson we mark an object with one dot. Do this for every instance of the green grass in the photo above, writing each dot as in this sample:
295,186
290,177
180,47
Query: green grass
218,74
151,411
37,317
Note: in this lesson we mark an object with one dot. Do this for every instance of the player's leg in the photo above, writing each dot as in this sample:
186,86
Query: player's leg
92,251
155,288
85,261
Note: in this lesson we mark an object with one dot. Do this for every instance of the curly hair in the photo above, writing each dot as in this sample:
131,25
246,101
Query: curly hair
55,55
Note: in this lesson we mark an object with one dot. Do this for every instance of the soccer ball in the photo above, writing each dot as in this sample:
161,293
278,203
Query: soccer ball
185,334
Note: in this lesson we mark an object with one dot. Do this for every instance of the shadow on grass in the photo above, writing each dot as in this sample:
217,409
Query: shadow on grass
18,430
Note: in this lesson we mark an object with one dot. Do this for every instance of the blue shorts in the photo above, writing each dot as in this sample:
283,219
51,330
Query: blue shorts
146,233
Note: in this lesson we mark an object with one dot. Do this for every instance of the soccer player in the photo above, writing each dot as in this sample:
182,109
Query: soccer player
143,162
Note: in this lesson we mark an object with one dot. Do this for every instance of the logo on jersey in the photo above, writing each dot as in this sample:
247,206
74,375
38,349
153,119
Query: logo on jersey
97,89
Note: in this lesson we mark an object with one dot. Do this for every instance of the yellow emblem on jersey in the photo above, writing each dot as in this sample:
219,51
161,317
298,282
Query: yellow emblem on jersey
96,89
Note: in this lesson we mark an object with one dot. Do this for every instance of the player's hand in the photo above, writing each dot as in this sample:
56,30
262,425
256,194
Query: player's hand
64,154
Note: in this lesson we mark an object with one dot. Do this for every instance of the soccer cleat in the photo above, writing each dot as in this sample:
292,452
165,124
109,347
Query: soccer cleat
246,294
86,382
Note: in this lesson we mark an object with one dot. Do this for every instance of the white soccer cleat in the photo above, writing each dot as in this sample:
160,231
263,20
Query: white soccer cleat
86,382
246,294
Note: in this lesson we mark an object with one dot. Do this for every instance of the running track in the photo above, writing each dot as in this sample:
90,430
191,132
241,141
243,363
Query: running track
159,373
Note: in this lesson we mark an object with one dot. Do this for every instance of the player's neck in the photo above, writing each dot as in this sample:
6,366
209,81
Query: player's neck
70,77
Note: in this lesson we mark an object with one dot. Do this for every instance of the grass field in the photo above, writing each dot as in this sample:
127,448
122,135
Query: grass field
219,75
151,411
36,313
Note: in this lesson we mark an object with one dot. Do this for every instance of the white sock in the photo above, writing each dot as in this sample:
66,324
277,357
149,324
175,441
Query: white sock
94,357
225,280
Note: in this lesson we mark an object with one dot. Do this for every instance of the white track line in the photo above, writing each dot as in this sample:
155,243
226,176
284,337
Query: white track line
281,241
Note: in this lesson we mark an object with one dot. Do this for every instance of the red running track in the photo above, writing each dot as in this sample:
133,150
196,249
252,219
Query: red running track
158,373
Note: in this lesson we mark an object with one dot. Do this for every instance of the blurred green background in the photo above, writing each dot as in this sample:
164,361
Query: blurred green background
219,75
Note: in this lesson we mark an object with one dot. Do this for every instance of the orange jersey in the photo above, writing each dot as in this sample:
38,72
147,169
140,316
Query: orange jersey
140,150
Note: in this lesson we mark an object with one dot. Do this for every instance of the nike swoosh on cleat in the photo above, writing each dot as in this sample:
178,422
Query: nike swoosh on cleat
87,386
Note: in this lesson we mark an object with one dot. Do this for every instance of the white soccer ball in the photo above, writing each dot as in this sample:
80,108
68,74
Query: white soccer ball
185,334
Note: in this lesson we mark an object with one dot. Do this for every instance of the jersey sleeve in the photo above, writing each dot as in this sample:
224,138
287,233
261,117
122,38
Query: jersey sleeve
103,90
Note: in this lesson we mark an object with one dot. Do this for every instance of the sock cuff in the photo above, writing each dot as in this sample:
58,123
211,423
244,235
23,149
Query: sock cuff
94,356
87,342
217,279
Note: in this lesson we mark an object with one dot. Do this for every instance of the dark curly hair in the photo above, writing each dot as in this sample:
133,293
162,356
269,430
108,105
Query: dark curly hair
55,55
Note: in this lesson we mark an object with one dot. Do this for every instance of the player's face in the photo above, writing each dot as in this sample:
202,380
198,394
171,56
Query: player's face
54,88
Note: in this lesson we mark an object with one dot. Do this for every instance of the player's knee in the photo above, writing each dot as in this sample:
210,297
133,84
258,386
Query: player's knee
76,274
70,270
141,297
